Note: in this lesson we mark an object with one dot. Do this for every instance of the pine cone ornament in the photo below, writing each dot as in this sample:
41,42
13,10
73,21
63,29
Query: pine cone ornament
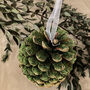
44,63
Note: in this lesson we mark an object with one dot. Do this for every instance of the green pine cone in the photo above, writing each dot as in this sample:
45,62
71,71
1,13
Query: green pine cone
44,63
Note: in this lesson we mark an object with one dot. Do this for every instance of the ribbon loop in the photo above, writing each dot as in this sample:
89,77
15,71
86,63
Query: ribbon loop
53,20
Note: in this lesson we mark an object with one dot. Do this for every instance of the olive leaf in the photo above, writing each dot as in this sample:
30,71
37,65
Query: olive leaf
67,14
5,57
7,50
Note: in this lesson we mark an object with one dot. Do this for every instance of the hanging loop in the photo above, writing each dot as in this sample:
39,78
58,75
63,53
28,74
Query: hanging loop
53,20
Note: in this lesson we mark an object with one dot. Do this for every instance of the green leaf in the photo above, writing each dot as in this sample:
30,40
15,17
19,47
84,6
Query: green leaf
39,4
67,14
48,8
2,6
35,27
8,47
16,40
27,28
24,8
71,28
5,57
2,28
8,36
2,22
14,33
74,19
20,17
15,11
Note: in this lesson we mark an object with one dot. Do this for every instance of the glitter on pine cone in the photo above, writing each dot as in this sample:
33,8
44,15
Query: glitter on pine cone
46,64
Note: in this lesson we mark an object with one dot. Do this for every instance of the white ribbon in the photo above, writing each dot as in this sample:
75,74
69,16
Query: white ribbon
53,20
